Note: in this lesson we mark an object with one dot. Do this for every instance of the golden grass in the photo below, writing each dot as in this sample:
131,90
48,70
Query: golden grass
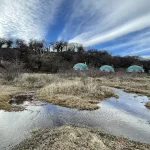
23,83
5,95
133,85
34,80
78,93
75,92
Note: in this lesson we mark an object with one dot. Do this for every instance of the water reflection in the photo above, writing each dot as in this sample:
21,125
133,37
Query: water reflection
125,116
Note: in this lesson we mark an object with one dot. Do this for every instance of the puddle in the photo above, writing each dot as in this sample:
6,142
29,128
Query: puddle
125,116
21,98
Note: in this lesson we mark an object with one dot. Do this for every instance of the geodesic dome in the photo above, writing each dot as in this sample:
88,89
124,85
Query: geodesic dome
80,66
135,68
107,68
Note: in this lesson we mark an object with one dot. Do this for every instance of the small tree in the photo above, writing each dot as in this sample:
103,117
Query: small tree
66,44
59,45
9,43
80,49
2,42
21,44
36,46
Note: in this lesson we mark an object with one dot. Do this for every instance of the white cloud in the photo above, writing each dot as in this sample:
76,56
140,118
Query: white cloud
139,51
92,22
135,44
88,22
27,19
135,25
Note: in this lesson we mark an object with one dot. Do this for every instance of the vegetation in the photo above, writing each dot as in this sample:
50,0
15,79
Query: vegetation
75,93
72,92
5,95
34,80
67,87
20,84
77,138
140,85
48,70
39,56
73,89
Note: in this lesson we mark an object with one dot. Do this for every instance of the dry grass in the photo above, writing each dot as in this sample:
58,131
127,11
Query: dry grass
77,138
130,84
34,80
5,95
23,83
77,93
147,105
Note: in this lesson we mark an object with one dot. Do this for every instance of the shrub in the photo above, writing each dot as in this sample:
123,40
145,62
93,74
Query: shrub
77,93
35,80
12,70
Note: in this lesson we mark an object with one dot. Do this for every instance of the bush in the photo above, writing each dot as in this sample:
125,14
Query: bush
12,70
75,93
35,80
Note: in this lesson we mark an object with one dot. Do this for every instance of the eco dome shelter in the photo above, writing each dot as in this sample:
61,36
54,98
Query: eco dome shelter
80,66
107,68
135,68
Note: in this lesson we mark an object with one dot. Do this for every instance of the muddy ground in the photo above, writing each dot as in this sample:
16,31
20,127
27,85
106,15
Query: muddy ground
77,138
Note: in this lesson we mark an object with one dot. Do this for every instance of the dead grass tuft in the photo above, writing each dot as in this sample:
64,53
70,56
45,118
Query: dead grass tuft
5,95
77,138
130,84
73,91
35,80
78,93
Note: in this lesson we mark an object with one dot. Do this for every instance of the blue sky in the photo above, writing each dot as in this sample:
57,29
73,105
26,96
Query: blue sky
120,26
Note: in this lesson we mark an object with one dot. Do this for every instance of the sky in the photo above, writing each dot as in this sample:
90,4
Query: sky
120,26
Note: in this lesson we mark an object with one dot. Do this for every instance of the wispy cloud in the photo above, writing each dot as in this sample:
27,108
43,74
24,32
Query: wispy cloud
89,22
134,44
27,19
94,22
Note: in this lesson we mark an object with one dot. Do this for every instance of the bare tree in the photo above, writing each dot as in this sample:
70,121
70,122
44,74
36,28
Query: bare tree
21,43
9,43
2,42
36,46
45,46
59,45
71,49
80,49
66,44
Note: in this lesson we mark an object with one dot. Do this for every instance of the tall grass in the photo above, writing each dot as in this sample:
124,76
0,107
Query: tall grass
78,87
94,73
75,89
78,93
35,80
5,96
